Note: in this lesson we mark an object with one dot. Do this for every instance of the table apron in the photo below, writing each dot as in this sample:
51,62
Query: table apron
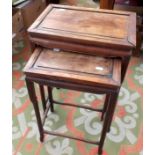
73,86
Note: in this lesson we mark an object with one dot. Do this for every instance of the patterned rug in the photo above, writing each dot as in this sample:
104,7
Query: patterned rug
125,137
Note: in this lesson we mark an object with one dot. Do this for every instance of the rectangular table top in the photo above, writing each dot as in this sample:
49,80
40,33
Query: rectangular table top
86,26
74,67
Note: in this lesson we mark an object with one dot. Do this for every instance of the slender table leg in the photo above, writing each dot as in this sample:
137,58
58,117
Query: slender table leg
125,63
50,98
108,119
105,106
42,93
33,98
114,102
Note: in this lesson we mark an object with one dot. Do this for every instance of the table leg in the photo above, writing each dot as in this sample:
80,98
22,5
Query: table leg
107,4
33,98
42,93
114,102
125,63
108,120
50,98
105,106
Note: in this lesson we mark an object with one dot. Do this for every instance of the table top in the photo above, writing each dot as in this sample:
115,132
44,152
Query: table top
74,67
87,26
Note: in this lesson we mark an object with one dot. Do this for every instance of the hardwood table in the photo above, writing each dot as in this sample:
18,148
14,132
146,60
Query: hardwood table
99,32
63,69
101,41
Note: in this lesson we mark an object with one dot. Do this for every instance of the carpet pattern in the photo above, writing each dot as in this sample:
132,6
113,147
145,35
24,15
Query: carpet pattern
125,137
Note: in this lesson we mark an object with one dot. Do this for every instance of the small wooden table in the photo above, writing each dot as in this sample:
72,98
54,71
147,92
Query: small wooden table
77,72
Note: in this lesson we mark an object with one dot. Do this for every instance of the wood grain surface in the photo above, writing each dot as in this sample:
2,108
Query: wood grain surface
86,26
73,67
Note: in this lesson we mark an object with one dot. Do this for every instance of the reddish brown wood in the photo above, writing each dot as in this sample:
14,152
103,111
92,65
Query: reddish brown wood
106,102
99,28
86,36
60,65
79,48
42,93
63,69
108,119
73,62
125,63
46,112
33,98
107,4
90,31
50,96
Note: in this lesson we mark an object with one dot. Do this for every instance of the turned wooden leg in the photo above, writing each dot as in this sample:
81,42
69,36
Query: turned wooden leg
42,93
50,98
33,98
105,106
108,119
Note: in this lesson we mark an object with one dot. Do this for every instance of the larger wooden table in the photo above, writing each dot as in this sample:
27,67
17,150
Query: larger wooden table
89,31
96,46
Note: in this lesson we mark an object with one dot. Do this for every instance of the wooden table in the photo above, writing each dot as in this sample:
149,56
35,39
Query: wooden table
100,41
90,31
63,69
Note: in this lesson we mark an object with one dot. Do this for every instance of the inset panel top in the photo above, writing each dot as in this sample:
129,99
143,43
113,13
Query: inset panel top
74,67
84,25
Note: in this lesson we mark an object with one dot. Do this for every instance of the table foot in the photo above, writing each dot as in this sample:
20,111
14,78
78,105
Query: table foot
41,139
99,152
50,96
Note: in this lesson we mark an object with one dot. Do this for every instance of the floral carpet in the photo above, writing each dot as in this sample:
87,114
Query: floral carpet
125,137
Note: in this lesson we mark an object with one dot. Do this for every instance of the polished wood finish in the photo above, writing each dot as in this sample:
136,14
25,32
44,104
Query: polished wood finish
77,25
81,49
42,94
107,4
72,71
83,68
49,89
71,85
108,119
72,62
106,103
85,30
33,98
